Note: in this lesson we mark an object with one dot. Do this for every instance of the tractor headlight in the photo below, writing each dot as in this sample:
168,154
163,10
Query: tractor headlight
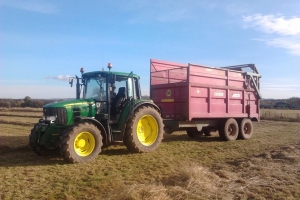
49,118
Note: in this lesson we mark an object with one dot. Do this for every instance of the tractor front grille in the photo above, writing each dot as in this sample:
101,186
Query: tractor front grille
60,113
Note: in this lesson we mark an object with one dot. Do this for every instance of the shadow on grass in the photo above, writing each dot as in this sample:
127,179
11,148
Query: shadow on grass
15,151
185,137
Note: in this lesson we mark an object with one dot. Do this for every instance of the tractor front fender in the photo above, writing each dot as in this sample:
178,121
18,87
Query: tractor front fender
97,124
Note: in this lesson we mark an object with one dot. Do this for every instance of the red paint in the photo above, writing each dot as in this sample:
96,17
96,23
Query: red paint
187,92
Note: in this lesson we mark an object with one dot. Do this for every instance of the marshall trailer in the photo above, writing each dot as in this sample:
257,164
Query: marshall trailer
201,99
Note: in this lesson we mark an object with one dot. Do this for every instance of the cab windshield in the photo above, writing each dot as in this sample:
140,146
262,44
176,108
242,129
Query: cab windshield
95,88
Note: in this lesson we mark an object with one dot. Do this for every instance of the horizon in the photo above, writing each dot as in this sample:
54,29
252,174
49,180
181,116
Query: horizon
43,43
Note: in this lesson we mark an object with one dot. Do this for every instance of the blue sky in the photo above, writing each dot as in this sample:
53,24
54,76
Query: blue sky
42,42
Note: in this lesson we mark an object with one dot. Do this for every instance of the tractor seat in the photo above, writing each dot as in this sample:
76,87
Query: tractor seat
120,97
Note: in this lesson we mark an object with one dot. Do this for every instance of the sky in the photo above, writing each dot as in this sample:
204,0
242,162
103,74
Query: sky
43,43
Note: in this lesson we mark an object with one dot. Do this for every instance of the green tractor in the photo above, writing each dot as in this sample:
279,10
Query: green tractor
108,109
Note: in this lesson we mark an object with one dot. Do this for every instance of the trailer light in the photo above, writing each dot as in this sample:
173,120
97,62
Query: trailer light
49,118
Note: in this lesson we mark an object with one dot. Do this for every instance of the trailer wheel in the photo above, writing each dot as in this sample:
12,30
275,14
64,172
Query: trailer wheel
230,130
80,143
144,130
246,129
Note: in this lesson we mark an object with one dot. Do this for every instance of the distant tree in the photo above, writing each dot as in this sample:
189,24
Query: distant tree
145,97
4,103
27,102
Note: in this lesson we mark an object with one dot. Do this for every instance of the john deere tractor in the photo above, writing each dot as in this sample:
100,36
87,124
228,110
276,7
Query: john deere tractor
108,109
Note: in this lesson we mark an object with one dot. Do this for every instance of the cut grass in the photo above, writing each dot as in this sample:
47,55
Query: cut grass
181,168
25,121
21,109
280,115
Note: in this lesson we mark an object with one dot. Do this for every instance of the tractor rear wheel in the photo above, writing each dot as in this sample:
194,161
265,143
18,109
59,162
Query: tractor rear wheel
246,129
80,143
144,131
230,130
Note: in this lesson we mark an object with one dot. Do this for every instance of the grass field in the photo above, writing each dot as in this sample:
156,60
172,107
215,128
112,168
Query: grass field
280,115
265,167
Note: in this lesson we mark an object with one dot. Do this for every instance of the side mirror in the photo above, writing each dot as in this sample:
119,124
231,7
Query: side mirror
111,78
71,81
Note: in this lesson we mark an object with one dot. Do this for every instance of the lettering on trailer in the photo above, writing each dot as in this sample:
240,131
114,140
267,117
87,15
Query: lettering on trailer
236,95
219,94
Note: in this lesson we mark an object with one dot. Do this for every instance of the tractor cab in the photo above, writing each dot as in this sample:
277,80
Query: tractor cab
111,91
114,95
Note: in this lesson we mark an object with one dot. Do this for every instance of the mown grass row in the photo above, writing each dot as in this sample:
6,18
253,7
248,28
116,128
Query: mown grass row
21,109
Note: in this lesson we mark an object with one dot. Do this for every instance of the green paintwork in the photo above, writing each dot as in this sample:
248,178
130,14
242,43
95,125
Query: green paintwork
127,109
47,134
87,107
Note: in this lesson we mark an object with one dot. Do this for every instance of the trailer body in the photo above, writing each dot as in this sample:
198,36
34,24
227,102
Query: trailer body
191,95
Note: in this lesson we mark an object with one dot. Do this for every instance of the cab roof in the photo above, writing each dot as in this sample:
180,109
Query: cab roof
105,73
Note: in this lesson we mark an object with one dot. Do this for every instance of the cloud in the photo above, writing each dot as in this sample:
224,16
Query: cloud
38,6
272,24
292,44
280,32
59,77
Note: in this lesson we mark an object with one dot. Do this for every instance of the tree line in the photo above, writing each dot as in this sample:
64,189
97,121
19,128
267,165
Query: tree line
38,103
26,102
31,103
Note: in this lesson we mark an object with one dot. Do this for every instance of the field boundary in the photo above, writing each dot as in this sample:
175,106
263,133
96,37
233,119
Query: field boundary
17,123
12,115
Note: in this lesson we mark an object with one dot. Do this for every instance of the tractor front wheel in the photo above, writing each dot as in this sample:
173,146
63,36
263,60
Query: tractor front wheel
144,130
80,143
39,149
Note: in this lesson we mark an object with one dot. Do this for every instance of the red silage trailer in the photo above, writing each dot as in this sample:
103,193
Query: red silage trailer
201,99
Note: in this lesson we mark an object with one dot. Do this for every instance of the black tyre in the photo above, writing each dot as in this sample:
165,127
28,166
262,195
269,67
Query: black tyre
167,130
207,131
193,132
230,130
144,130
246,129
80,143
39,149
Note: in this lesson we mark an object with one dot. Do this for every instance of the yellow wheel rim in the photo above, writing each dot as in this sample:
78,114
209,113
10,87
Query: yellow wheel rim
147,130
84,143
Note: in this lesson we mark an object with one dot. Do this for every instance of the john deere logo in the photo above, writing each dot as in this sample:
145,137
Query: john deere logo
168,93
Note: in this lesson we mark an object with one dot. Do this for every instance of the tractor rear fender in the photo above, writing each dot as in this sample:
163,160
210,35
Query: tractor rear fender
97,124
127,112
